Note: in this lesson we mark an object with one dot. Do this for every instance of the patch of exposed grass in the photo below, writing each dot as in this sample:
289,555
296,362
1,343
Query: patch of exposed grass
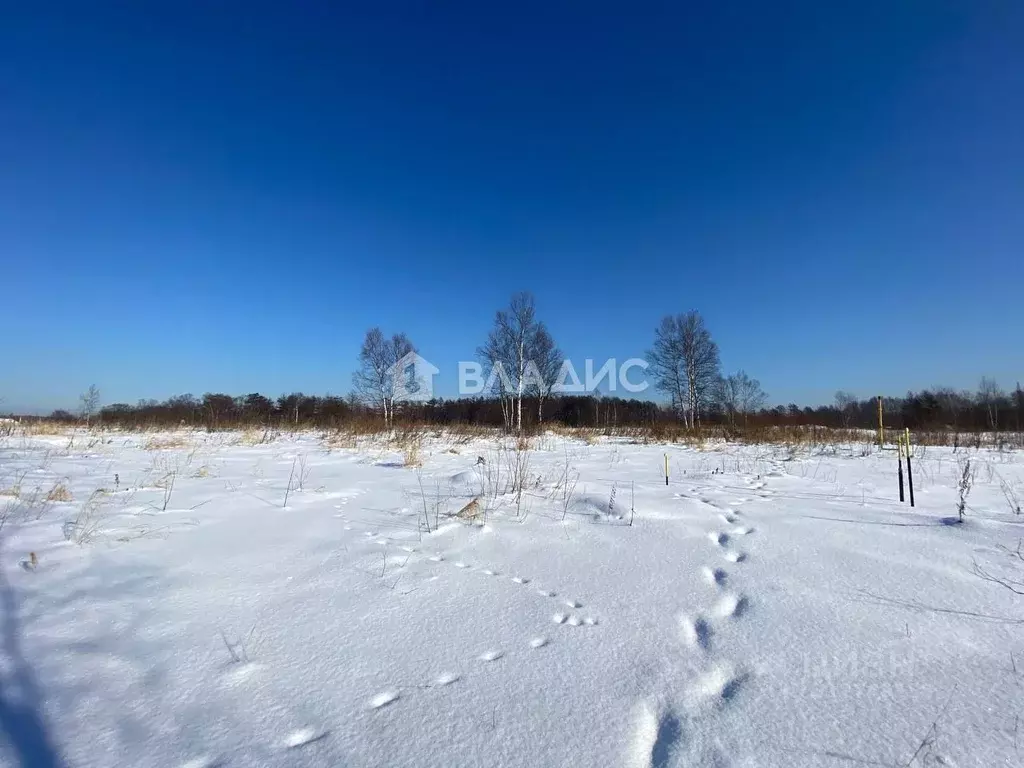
59,492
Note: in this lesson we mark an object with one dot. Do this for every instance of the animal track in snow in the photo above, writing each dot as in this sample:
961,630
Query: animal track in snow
731,606
492,655
520,580
559,618
574,620
546,593
735,557
719,538
447,678
489,572
719,684
696,632
729,519
202,761
538,642
742,530
574,603
242,671
655,738
383,698
715,575
436,559
302,736
591,621
461,564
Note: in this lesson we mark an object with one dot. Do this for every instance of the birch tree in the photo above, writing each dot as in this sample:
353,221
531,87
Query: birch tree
522,356
665,359
379,375
685,364
547,359
989,396
846,403
739,394
90,403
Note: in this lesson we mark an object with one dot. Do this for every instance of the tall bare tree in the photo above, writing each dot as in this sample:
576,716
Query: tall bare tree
846,403
379,375
989,397
1018,404
685,364
547,359
89,403
738,394
521,354
665,359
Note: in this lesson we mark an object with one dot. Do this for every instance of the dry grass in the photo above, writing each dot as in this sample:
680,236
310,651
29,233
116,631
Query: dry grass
46,428
411,453
462,434
88,522
14,489
59,492
166,442
339,439
471,511
259,436
167,481
409,439
588,435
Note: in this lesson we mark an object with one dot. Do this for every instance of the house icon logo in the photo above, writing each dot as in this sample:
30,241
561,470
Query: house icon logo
413,378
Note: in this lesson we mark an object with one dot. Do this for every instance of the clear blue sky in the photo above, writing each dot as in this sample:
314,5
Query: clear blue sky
224,196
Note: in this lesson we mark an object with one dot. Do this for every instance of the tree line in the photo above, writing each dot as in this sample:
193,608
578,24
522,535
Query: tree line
931,409
525,367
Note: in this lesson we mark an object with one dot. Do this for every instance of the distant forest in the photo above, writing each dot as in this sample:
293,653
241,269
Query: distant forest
682,363
989,409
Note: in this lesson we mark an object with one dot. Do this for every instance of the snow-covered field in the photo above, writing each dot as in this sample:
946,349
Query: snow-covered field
769,607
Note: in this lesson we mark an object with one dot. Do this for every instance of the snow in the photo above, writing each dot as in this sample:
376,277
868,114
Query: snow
771,606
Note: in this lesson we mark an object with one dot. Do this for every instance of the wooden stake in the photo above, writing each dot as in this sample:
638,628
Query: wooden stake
881,427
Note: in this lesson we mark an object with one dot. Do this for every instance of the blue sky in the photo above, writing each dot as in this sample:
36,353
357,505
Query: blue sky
224,197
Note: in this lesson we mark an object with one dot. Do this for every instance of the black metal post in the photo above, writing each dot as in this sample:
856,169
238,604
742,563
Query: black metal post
900,460
910,477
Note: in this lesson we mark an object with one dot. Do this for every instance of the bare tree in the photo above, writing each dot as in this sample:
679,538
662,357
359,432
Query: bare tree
665,359
700,357
728,397
499,352
685,363
846,402
521,353
90,403
740,394
953,403
547,359
379,374
989,396
1018,404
